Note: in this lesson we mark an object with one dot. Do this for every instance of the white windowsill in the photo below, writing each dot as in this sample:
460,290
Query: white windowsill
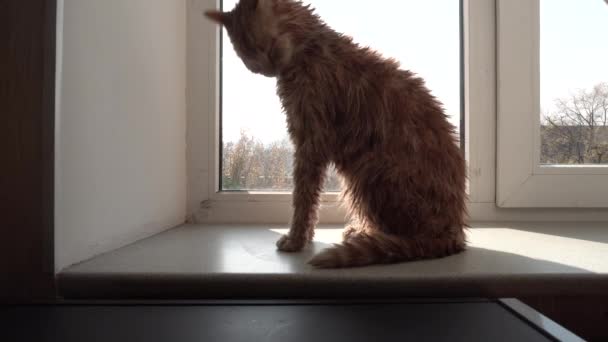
239,261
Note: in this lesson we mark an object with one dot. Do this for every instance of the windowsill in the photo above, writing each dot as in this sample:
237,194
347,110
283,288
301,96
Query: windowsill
237,261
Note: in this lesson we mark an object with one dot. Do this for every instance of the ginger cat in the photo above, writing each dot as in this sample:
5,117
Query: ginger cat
388,137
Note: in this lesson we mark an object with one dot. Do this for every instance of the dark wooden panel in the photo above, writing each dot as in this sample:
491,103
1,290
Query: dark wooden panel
584,316
27,77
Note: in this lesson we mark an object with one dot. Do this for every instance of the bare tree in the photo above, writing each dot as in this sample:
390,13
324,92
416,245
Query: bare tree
236,162
249,164
577,131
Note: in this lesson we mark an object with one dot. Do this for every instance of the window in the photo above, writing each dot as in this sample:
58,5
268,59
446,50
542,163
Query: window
573,82
256,151
508,83
552,103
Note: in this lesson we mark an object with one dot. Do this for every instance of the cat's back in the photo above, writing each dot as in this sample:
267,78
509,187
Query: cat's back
356,89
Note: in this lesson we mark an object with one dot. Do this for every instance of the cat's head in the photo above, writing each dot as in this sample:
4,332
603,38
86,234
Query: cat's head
254,27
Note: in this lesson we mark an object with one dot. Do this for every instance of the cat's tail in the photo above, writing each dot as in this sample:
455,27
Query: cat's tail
376,247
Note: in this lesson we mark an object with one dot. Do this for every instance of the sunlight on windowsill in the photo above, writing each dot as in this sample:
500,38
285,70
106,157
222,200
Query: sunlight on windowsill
506,259
540,246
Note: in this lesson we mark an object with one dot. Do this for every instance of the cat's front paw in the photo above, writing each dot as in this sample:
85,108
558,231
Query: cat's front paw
290,244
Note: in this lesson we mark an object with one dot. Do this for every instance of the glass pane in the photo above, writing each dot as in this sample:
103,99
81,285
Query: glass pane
257,153
574,82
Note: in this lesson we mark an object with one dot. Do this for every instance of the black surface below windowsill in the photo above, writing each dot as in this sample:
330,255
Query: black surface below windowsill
416,320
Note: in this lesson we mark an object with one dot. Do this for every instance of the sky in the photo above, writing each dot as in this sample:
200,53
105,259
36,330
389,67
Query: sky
424,36
573,47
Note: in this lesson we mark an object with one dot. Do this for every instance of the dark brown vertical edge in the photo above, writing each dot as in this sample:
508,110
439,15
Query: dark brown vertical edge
48,153
27,117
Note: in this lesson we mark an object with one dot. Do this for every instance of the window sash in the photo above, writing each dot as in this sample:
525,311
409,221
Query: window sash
521,180
264,191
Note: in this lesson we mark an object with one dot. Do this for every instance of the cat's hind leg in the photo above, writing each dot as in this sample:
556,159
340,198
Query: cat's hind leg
355,227
376,247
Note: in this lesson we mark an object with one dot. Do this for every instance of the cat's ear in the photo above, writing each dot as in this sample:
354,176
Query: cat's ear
217,16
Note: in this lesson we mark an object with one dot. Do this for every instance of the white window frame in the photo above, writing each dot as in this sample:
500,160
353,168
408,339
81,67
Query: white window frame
206,204
522,181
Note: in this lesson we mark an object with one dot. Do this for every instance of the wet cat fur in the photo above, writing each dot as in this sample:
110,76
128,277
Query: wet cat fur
388,137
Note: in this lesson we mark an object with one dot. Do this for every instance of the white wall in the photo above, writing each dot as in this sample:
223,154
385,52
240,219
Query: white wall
121,134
